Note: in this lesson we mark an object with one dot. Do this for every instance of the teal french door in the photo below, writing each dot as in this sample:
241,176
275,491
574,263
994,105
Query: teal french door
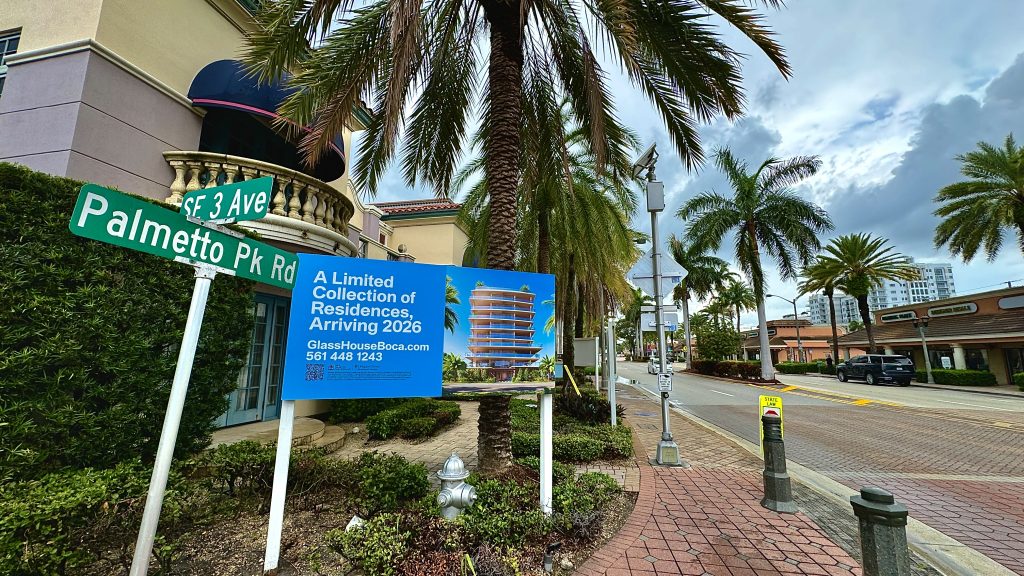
258,396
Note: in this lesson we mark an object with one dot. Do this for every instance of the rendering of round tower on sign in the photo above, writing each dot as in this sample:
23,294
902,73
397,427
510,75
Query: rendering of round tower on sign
501,330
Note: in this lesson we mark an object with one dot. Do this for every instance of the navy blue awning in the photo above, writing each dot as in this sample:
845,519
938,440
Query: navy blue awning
227,84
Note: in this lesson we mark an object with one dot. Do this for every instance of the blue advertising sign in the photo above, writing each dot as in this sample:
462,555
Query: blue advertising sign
364,329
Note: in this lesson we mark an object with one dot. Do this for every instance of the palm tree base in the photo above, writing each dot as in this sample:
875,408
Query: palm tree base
494,434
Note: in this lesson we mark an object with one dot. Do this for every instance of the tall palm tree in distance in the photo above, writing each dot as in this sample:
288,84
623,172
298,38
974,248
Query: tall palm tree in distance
739,297
859,263
817,277
705,274
426,67
634,313
764,214
978,211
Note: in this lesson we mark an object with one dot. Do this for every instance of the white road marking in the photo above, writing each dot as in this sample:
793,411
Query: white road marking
722,393
974,405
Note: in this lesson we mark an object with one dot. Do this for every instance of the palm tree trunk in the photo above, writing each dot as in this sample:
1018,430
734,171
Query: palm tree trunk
504,111
543,243
835,332
686,329
569,322
767,370
865,317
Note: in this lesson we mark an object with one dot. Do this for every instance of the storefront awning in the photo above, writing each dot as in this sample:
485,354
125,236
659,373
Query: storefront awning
227,84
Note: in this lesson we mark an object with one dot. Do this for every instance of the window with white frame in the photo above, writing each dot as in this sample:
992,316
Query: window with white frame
8,46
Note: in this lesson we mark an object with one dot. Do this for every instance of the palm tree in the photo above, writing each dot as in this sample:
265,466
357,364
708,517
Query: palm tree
739,297
764,214
421,64
818,278
451,298
634,313
704,275
854,325
977,211
860,263
451,366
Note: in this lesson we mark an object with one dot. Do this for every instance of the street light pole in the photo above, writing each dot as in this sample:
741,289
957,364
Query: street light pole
801,356
921,324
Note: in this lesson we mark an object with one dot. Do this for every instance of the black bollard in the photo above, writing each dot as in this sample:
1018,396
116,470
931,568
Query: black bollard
778,494
883,533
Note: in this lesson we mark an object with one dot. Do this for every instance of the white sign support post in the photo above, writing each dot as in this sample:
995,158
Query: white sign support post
612,374
280,489
172,420
546,436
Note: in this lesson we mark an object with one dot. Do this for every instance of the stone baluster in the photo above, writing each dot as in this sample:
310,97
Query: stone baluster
178,186
307,204
214,170
248,173
195,169
279,202
329,214
321,208
293,202
229,173
339,221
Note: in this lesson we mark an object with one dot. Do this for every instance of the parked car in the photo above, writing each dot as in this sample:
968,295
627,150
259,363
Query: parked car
654,365
876,368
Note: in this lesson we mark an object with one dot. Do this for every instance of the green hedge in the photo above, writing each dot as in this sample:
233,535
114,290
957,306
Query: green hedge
743,369
959,377
90,339
1018,379
416,418
359,410
796,367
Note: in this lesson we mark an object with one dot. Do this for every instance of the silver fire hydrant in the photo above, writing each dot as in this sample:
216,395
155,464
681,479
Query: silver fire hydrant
455,494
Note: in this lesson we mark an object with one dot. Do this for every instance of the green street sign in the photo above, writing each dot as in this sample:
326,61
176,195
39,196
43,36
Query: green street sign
131,222
247,200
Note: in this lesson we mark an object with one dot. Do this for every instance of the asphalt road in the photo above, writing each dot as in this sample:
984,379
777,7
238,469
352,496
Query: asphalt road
956,459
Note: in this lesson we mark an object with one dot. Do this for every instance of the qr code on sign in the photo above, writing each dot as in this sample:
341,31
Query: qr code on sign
314,372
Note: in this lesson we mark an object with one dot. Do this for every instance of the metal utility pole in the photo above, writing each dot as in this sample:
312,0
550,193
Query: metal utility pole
801,356
921,324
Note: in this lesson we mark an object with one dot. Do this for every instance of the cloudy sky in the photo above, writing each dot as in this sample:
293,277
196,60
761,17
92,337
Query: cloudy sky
886,93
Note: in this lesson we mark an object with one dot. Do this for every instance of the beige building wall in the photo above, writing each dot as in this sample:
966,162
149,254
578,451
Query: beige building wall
172,40
431,240
60,22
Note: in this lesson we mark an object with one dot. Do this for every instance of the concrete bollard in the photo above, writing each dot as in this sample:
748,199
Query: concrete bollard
883,533
778,494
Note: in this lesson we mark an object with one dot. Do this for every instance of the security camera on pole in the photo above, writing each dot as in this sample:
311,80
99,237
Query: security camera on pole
668,450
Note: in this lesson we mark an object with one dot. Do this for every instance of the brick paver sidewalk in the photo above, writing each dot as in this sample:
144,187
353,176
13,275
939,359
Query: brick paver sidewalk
707,520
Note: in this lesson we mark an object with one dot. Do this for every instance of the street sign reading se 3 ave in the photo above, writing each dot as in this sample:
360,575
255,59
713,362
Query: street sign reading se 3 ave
246,200
131,222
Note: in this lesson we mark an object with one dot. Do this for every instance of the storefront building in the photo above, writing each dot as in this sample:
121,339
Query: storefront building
816,340
148,98
978,332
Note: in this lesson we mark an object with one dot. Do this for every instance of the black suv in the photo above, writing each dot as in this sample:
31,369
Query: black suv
875,368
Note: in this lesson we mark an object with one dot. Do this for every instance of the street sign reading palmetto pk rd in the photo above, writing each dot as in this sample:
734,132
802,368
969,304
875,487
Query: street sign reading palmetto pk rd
247,200
131,222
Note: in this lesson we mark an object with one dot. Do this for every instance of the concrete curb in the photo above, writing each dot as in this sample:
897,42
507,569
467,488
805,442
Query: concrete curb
969,390
945,554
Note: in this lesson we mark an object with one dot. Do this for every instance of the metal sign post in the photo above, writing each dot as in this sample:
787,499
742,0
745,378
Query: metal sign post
172,419
280,487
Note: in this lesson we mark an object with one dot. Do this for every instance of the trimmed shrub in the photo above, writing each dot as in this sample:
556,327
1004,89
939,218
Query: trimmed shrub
396,421
826,369
417,427
90,338
525,444
958,377
590,407
505,514
743,369
359,410
617,440
559,472
1018,379
376,547
576,448
706,367
387,480
579,505
796,367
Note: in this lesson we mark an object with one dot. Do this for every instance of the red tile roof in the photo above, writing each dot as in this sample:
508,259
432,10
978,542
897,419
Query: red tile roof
416,206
